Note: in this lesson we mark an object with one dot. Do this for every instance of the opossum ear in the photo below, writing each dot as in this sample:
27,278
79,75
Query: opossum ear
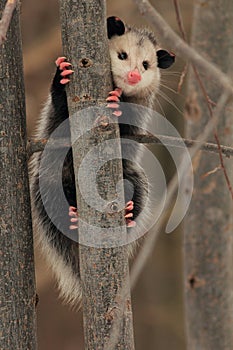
165,59
115,26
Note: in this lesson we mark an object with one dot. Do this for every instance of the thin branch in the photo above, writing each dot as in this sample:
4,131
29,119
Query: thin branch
180,46
6,19
206,97
38,145
182,78
180,20
149,243
210,108
184,37
34,146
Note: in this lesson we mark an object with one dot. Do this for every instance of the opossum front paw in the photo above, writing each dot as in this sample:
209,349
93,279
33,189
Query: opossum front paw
114,99
74,218
63,67
129,215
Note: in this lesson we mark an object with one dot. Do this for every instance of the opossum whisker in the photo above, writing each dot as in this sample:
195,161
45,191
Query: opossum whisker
160,106
172,73
169,101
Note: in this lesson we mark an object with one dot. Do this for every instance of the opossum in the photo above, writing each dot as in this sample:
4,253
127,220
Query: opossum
135,62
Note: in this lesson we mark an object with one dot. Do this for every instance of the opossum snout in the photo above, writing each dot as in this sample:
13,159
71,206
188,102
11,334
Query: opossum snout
134,77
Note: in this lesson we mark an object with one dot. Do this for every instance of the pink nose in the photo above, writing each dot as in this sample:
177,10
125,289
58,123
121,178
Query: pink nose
134,76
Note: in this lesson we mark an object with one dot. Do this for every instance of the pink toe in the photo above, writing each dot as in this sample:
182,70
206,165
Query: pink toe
59,60
71,213
113,105
131,223
73,219
112,98
64,65
129,207
73,227
117,113
72,208
129,215
64,81
66,72
117,92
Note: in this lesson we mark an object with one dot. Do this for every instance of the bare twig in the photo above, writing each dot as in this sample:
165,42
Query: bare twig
34,146
148,245
210,108
6,18
38,145
206,96
179,19
180,46
211,172
183,34
182,77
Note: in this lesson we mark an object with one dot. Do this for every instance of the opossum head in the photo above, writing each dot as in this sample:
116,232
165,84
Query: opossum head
135,58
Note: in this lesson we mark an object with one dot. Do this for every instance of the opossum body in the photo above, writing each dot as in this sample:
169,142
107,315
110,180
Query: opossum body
135,62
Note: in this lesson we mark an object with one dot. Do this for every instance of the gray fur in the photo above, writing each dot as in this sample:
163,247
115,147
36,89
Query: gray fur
140,45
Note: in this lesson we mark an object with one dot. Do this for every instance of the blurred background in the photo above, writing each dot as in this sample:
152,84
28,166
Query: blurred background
158,297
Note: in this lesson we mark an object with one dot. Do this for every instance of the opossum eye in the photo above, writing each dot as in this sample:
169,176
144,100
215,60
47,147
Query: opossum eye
122,55
145,64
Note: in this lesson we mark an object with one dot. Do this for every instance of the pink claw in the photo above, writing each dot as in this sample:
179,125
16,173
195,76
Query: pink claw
113,105
113,98
64,81
73,212
73,219
129,206
117,113
73,227
131,223
128,215
117,92
59,60
66,72
72,209
64,65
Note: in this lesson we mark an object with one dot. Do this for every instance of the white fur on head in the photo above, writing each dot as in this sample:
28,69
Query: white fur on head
139,47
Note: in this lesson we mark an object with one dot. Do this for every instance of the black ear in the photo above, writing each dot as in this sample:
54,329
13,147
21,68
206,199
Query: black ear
115,26
165,59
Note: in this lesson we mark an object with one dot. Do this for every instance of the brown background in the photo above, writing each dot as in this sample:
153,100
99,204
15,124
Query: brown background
157,298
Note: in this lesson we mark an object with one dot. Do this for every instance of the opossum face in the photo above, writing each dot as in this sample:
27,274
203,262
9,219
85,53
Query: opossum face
134,63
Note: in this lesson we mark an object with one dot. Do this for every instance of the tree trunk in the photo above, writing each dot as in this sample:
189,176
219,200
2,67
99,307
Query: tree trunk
104,269
17,303
208,227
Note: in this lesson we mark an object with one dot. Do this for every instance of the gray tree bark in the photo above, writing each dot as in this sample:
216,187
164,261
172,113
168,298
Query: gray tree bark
104,271
17,290
208,227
